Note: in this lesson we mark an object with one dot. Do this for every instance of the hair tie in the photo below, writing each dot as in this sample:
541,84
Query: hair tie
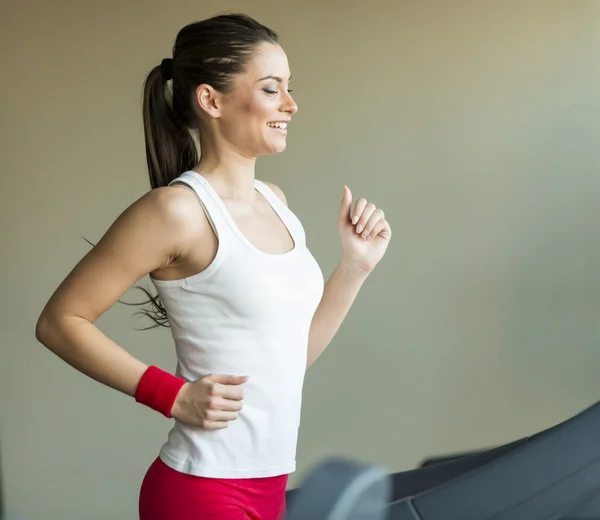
166,69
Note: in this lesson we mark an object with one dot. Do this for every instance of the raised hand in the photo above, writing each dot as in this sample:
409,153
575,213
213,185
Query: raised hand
364,232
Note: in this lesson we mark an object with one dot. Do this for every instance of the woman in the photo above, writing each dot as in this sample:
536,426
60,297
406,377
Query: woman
244,297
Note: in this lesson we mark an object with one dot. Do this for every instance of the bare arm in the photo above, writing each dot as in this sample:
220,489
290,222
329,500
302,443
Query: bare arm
365,235
338,296
146,237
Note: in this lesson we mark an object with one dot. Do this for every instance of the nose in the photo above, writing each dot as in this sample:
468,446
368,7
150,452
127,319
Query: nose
289,105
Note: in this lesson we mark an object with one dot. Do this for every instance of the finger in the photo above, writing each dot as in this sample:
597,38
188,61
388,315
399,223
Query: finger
358,209
214,425
374,219
346,205
226,391
365,216
227,379
230,405
381,229
220,415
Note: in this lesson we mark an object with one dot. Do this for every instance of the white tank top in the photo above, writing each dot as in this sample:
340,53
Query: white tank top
249,314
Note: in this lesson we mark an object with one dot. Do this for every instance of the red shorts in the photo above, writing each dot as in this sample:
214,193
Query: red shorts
167,494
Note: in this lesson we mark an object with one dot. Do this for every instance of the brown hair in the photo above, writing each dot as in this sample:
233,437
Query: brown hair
211,52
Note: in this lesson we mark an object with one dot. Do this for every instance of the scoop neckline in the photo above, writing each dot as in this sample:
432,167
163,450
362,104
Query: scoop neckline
259,186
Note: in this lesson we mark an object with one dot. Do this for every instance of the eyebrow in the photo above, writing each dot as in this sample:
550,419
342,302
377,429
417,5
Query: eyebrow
276,78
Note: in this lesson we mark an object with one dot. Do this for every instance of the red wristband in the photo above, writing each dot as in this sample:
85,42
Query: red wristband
158,389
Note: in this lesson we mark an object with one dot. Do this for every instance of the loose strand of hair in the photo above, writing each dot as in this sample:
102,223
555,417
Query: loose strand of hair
157,313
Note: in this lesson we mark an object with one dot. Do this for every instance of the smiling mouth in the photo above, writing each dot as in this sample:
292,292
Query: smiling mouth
279,126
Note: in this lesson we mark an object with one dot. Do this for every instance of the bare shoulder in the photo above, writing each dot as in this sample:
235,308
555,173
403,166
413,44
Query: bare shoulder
177,206
152,233
180,218
169,215
277,190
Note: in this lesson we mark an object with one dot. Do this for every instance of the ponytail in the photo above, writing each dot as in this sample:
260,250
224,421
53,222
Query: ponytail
211,51
170,147
170,150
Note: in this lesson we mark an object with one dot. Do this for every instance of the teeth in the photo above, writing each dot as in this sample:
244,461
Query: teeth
277,125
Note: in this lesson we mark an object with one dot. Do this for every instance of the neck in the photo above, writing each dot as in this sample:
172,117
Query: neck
230,173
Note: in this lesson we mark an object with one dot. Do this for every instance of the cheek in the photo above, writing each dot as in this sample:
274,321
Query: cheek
247,117
246,107
256,110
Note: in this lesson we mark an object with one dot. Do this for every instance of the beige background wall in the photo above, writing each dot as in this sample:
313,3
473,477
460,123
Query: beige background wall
475,125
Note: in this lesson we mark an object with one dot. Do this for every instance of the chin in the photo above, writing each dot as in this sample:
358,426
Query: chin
273,148
280,148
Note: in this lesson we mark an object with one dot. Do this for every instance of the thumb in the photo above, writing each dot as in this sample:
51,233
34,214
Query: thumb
227,379
345,206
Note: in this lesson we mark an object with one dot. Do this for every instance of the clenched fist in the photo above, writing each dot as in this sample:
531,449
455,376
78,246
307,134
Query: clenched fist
210,402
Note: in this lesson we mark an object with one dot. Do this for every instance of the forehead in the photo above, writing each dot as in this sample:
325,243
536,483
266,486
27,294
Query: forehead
268,60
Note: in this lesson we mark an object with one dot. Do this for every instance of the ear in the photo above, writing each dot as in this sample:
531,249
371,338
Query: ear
208,100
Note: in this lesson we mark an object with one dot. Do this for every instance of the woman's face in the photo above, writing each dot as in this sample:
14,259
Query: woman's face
253,116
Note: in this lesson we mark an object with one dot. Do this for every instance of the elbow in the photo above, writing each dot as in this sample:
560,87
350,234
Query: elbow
44,329
41,329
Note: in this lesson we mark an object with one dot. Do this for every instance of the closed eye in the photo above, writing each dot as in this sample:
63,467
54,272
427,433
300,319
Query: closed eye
272,92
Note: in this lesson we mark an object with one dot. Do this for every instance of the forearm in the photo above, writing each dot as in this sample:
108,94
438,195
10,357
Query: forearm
83,346
338,296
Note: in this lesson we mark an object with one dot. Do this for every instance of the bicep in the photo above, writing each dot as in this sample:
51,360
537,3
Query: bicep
142,239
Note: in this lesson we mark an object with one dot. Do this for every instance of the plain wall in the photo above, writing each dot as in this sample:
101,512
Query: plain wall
474,125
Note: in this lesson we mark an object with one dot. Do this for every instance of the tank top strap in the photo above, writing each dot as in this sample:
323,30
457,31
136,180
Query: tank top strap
286,215
212,208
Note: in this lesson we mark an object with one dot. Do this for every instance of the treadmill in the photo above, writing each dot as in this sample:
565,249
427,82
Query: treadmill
552,475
